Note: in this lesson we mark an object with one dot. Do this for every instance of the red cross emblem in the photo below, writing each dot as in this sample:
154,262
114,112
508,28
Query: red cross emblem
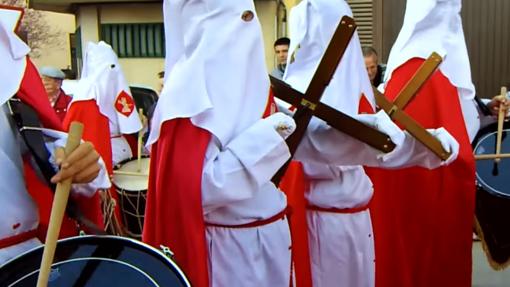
124,104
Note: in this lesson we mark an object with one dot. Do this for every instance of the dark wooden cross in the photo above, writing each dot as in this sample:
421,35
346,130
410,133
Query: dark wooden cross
309,105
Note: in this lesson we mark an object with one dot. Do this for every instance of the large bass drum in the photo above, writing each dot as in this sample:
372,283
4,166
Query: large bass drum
99,261
493,196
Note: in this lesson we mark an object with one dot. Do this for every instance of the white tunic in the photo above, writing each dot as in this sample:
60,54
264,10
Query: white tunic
236,189
19,212
342,245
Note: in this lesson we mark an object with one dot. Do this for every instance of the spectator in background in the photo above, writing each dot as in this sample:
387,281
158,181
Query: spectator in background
374,70
52,79
281,50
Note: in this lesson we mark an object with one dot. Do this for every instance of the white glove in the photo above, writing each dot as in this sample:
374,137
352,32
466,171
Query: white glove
382,122
283,124
448,142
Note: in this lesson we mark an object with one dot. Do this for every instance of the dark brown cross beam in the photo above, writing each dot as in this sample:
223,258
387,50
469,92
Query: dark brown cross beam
395,109
309,105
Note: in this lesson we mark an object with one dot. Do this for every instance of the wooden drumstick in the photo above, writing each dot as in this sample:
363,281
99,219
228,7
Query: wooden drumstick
58,209
139,147
119,172
501,119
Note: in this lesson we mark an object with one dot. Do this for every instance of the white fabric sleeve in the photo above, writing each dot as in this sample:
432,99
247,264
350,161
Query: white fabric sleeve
237,171
323,144
56,139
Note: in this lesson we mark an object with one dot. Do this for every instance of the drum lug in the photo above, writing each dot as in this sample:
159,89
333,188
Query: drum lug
167,251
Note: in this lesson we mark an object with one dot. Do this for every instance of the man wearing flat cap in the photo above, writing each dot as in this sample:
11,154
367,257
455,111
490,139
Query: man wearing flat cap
52,79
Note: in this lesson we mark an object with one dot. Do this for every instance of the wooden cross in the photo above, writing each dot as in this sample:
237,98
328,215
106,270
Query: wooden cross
309,105
395,109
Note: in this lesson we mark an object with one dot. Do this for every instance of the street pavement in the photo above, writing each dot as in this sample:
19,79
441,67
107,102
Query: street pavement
483,274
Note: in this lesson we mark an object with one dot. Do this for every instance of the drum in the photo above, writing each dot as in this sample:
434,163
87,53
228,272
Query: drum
493,196
99,261
131,186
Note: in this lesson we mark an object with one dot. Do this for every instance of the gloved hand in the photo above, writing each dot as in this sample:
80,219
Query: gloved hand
382,122
282,123
448,142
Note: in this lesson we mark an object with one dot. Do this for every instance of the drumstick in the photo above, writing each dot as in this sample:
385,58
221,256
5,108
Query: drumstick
492,156
140,136
58,209
119,172
501,118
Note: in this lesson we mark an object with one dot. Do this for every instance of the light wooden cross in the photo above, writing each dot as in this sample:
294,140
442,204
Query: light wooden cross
395,109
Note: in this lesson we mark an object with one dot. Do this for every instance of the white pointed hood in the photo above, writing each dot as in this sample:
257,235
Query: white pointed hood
312,24
13,52
215,69
434,26
102,80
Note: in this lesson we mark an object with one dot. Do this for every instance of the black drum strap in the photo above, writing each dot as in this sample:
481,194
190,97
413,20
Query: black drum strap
26,118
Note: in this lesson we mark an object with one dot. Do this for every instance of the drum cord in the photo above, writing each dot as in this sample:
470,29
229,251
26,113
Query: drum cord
108,208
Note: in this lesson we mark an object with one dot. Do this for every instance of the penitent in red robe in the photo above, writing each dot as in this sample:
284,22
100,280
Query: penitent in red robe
423,219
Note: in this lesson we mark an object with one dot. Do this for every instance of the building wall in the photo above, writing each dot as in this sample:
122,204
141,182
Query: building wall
144,70
486,25
140,71
58,55
266,11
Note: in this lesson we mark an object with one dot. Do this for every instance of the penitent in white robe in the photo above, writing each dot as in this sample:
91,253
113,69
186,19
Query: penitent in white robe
342,245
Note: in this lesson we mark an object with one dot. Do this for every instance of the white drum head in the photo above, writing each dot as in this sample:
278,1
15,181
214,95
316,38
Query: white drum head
128,177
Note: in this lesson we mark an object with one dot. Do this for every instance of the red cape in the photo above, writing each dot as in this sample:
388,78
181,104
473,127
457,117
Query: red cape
97,131
32,93
173,212
423,219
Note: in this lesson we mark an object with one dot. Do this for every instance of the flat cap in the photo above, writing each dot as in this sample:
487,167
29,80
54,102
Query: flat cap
52,72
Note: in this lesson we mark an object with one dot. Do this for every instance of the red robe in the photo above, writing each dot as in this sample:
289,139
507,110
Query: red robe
173,212
97,131
32,93
423,219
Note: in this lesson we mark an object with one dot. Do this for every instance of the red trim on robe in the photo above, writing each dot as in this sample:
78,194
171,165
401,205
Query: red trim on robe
173,213
423,219
365,107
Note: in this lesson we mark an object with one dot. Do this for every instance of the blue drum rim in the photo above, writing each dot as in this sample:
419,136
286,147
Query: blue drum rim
155,251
